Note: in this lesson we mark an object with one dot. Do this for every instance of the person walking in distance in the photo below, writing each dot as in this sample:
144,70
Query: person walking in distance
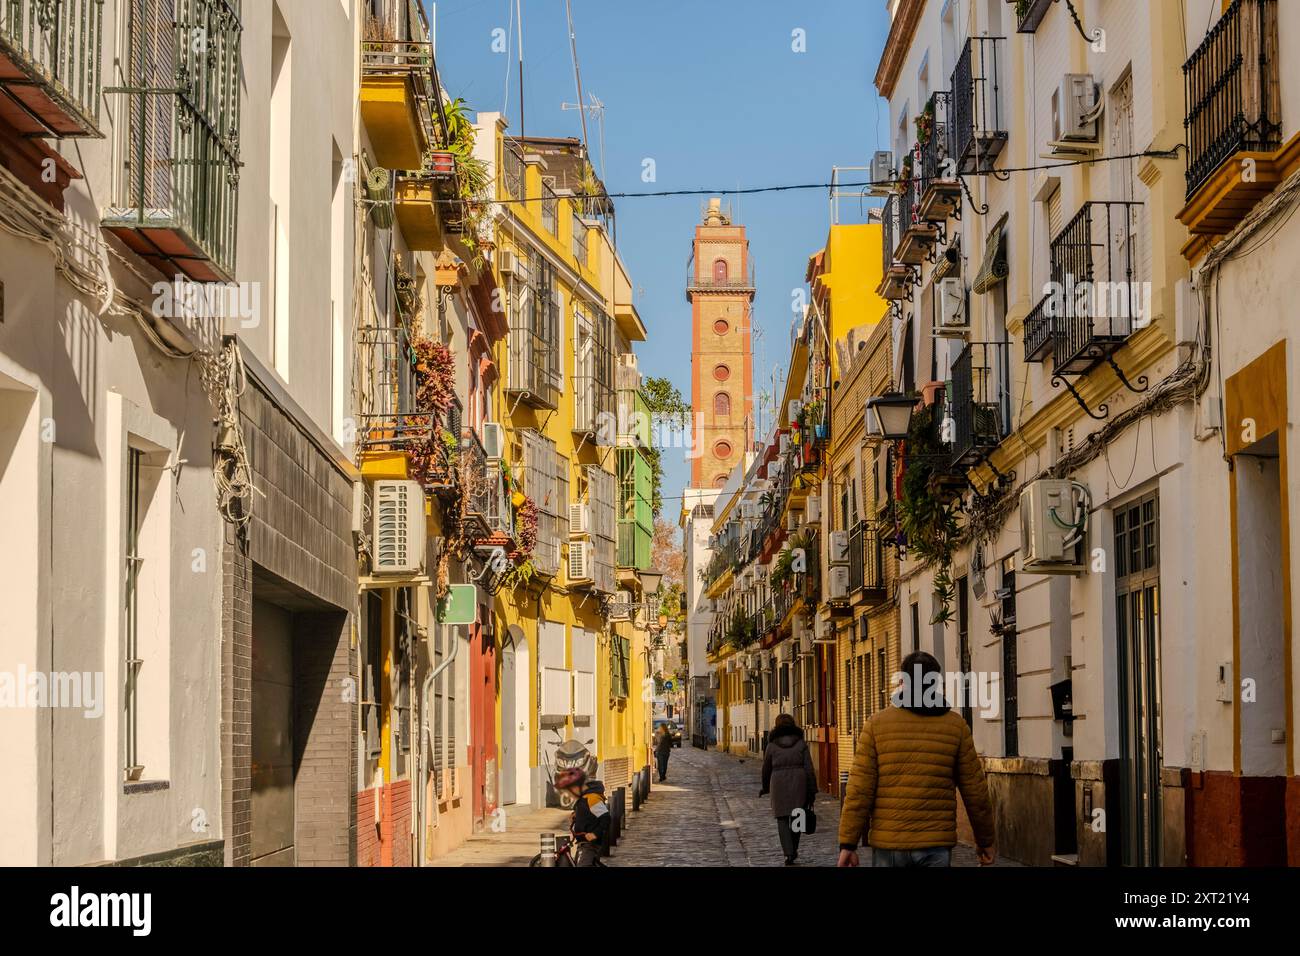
663,748
911,760
789,776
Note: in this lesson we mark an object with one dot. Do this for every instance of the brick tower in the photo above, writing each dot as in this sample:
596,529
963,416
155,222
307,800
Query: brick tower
720,288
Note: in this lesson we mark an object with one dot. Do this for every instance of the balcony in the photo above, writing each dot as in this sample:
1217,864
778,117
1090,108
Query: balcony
721,282
896,280
50,66
177,199
979,401
938,188
1233,107
634,418
867,563
418,199
399,89
488,512
1030,13
1095,299
636,509
978,128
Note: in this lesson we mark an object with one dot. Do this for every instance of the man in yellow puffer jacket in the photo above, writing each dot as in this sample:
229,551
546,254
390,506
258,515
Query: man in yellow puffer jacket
911,759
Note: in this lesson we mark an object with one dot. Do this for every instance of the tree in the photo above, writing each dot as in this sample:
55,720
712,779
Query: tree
664,399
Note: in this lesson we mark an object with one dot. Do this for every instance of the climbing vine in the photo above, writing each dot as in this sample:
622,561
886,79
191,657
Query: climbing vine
928,519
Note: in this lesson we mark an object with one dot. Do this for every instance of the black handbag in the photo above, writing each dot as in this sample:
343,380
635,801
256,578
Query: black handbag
809,821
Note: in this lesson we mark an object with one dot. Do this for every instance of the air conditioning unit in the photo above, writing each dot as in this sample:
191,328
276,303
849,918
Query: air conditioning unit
1074,109
804,635
765,660
813,510
882,171
509,262
784,448
579,561
579,519
839,547
399,527
785,652
793,519
714,681
953,318
795,407
1053,524
839,583
749,509
494,440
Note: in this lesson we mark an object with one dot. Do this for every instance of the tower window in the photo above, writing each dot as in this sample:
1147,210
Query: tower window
721,373
719,481
720,270
722,449
722,405
721,327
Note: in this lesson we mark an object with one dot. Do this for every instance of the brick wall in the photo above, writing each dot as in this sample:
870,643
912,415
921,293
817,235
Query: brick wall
296,550
388,843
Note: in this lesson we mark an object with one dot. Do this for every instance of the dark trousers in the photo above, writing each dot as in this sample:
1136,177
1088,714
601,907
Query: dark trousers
661,758
587,854
789,837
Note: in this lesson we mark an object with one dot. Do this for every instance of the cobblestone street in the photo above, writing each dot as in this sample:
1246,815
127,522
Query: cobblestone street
707,813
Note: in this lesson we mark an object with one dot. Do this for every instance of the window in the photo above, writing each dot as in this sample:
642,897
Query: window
620,657
550,209
722,449
593,371
721,373
784,691
1010,676
143,495
720,270
512,171
882,688
579,239
719,481
371,672
721,327
535,360
963,646
722,405
546,482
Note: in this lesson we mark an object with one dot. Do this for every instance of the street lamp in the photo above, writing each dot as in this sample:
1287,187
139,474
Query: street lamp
650,581
890,415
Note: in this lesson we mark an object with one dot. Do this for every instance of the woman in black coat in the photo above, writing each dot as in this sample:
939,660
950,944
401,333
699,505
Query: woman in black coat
789,776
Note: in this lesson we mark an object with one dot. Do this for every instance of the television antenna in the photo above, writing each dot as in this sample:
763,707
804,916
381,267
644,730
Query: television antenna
597,109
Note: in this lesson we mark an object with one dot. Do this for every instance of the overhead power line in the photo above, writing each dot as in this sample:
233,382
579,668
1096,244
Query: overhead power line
793,187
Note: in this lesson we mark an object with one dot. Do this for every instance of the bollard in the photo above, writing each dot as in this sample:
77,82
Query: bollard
844,785
548,850
636,791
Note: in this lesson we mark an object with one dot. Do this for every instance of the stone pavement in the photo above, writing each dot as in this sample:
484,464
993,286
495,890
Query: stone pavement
707,813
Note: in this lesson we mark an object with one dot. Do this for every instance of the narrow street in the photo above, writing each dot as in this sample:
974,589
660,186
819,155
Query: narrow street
708,813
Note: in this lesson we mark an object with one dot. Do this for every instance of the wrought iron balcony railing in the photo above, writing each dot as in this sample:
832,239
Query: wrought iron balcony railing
178,197
1030,13
938,190
1232,88
892,224
979,130
866,560
51,65
980,402
1099,247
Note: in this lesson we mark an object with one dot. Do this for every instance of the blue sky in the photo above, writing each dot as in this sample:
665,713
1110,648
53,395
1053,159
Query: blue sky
715,94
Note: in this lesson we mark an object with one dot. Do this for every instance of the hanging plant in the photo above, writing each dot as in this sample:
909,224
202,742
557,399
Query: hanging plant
925,124
435,376
927,519
526,525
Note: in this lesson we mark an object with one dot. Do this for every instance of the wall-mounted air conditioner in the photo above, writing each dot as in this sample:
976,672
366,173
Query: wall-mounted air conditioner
882,171
398,527
794,408
579,561
813,510
792,520
494,440
714,681
579,518
784,447
1075,109
838,547
509,263
1053,526
953,317
838,582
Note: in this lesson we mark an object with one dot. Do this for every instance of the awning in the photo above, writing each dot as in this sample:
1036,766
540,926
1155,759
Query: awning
993,269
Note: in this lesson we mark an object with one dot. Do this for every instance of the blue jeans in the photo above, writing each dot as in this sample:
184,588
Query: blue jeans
930,856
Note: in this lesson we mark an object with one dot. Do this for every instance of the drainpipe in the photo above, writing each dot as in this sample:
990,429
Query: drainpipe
426,707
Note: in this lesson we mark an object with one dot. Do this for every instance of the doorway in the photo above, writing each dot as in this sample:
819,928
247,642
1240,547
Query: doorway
272,816
1137,593
515,670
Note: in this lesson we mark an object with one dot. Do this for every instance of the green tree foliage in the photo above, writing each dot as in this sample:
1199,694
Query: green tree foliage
665,402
